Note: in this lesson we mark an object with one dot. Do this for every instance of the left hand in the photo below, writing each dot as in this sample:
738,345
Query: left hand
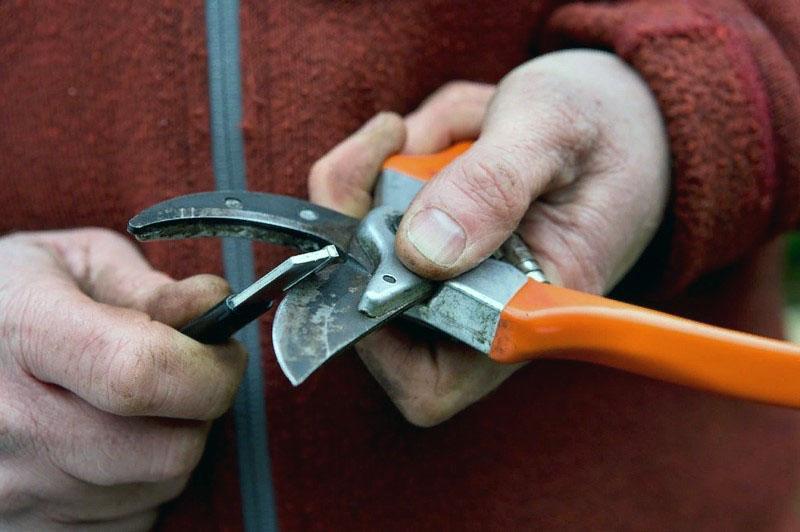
571,153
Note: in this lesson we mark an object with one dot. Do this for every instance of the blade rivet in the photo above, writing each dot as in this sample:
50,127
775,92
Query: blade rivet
389,279
308,215
233,203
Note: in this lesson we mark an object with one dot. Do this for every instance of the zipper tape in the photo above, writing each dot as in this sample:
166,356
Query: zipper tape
227,147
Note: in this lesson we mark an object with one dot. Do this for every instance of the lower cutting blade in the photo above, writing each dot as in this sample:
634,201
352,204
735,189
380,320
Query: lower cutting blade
319,317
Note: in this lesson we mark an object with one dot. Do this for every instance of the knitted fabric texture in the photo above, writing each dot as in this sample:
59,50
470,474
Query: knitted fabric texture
104,108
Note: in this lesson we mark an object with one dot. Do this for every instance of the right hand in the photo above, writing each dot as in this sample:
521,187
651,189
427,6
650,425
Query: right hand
104,406
570,152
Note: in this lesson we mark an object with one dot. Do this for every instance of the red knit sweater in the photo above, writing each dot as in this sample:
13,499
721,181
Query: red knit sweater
104,111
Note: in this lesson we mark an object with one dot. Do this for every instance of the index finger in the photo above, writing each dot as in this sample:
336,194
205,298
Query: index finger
120,360
343,179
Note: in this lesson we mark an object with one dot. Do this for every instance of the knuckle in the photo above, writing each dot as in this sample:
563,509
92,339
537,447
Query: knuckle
102,234
14,498
495,188
221,394
22,324
590,260
562,108
133,380
174,487
566,116
19,432
15,428
458,92
221,401
319,175
573,248
432,403
181,454
332,169
390,120
454,92
425,411
335,183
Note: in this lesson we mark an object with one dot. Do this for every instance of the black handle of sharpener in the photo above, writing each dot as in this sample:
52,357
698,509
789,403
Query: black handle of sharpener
223,320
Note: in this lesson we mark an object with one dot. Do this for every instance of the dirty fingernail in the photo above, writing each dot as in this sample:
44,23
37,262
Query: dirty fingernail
438,237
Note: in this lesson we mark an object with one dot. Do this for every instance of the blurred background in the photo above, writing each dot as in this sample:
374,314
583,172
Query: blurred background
793,286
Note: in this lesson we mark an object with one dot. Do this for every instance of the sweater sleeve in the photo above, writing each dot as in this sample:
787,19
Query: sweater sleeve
725,74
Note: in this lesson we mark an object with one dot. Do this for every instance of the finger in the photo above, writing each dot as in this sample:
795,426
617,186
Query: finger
39,521
452,113
73,500
111,270
102,449
177,303
342,180
585,241
120,360
80,503
106,266
530,143
429,382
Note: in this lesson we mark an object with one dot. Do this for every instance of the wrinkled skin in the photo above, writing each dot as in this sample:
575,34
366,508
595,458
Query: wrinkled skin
571,151
104,406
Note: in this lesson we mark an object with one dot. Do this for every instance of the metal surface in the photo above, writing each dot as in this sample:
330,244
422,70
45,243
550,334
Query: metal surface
236,311
270,218
515,251
468,307
319,318
395,190
300,345
392,286
329,312
285,276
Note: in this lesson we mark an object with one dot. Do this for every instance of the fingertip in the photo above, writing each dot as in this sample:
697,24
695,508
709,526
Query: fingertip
454,112
178,302
388,124
343,178
230,363
206,285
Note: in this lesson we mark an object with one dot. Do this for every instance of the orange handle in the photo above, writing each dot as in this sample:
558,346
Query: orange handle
424,167
548,321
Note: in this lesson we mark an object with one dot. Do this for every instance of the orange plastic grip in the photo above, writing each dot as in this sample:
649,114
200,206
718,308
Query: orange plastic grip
424,167
552,322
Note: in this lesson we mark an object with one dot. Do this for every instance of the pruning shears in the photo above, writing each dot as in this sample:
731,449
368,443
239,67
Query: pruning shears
347,282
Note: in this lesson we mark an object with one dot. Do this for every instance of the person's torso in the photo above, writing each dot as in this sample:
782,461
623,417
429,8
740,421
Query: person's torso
104,111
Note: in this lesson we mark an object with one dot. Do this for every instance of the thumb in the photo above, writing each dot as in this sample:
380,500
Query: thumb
465,213
529,145
470,208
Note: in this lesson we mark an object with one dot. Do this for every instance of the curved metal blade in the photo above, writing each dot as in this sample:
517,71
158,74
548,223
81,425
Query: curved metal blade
272,218
319,318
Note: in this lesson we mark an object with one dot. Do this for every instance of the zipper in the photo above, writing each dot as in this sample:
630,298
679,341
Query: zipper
227,149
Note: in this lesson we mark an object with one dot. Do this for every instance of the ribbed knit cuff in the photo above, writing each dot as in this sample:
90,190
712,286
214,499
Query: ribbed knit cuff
716,107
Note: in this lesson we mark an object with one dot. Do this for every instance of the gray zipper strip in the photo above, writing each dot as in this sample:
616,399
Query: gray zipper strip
227,145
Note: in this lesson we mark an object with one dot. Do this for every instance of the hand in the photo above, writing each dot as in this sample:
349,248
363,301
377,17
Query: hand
571,152
104,406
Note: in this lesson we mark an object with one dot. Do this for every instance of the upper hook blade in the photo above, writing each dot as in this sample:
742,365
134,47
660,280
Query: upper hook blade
270,218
